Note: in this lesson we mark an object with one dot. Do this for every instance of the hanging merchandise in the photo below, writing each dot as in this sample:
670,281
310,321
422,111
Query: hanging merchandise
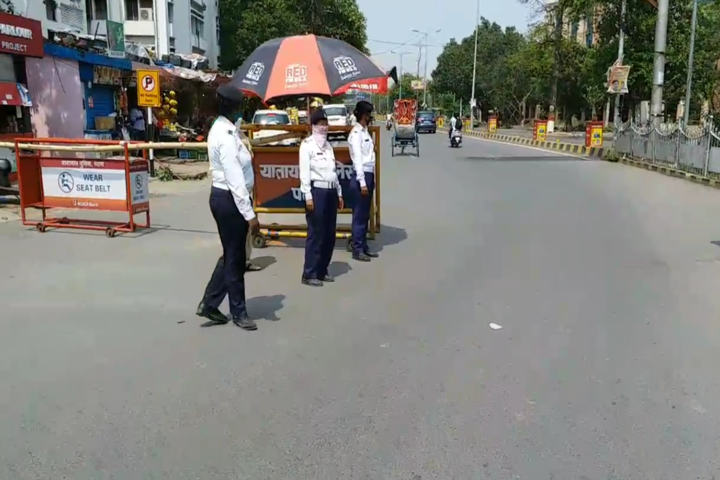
168,111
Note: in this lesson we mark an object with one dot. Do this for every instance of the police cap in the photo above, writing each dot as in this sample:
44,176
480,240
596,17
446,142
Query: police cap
230,94
317,116
363,107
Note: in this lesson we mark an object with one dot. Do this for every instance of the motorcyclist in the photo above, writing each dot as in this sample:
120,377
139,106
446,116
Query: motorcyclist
453,122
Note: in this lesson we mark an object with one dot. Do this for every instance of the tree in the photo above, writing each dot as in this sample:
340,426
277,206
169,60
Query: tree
245,24
7,6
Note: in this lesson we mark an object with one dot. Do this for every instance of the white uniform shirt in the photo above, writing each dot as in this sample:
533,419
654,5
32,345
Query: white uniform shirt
317,165
231,164
362,152
453,121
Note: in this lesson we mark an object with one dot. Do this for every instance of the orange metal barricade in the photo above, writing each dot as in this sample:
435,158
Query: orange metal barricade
67,173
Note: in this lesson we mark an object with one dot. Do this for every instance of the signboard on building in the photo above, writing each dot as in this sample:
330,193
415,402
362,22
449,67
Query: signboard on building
106,75
20,36
115,39
417,85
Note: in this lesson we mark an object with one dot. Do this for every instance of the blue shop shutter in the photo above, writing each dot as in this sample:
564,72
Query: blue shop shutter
103,97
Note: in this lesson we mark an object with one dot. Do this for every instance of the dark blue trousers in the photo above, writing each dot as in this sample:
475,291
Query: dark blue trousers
361,212
228,278
322,224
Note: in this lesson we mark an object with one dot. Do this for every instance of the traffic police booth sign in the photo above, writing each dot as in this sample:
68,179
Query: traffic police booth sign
148,88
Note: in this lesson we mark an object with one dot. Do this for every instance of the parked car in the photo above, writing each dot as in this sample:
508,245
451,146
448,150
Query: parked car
337,117
425,122
272,117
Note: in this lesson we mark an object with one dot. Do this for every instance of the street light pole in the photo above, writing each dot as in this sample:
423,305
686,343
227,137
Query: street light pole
472,95
426,60
400,54
691,55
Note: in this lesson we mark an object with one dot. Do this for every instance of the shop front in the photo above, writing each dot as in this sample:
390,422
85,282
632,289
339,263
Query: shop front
103,100
97,91
20,38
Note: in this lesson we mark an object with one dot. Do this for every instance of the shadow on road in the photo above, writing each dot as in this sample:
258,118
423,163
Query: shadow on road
263,262
338,269
265,307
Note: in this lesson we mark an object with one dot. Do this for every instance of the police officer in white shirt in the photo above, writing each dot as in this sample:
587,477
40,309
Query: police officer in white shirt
231,207
362,182
320,185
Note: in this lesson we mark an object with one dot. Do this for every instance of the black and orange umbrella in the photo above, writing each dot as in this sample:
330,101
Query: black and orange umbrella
303,65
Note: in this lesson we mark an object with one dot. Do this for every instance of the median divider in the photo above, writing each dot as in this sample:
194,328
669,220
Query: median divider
580,150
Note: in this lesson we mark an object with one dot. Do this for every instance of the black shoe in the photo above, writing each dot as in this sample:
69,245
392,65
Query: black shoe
244,322
371,254
312,282
328,279
361,257
212,314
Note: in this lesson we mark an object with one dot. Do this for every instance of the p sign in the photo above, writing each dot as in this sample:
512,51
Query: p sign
148,88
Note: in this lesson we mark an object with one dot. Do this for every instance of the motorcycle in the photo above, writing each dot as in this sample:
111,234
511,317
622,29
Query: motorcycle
388,125
456,139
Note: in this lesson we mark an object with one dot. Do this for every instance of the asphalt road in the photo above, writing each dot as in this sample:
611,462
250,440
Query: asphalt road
602,277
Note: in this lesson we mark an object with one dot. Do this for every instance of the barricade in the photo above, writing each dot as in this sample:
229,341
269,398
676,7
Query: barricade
277,183
71,174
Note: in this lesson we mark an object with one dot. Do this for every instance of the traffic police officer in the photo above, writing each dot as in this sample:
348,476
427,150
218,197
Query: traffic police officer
323,198
362,182
231,207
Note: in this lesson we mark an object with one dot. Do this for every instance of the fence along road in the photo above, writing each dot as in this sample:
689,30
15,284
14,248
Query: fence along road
602,277
692,149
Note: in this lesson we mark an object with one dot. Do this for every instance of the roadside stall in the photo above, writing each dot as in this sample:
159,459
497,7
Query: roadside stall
103,94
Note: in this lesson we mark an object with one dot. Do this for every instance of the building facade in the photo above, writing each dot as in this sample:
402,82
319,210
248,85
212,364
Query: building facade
583,31
170,26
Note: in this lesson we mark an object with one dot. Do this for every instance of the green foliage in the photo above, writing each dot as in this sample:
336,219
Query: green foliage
245,24
541,66
7,6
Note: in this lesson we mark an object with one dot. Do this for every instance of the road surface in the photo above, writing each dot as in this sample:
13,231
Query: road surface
602,277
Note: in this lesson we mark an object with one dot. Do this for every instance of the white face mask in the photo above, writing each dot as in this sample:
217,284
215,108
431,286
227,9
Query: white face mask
319,133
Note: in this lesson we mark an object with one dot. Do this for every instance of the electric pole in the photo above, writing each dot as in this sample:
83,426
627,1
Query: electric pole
621,52
691,55
473,102
659,66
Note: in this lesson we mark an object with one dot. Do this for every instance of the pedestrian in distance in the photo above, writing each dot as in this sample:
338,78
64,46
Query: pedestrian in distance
231,207
362,181
320,186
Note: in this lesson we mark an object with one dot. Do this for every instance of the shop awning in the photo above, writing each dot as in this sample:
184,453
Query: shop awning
14,94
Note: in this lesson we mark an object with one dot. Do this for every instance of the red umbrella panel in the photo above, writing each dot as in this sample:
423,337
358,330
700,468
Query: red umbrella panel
303,65
373,85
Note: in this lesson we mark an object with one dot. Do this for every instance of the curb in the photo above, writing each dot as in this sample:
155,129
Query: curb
671,172
594,152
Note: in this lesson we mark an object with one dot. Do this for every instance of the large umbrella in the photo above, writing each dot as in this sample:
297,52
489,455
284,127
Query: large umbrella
303,65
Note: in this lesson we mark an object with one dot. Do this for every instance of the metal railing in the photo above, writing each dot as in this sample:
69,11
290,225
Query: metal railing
693,149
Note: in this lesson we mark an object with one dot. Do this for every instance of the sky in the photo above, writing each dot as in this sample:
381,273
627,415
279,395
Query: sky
390,24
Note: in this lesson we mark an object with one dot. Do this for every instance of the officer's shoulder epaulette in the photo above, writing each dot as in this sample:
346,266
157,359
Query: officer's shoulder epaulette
307,140
231,132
